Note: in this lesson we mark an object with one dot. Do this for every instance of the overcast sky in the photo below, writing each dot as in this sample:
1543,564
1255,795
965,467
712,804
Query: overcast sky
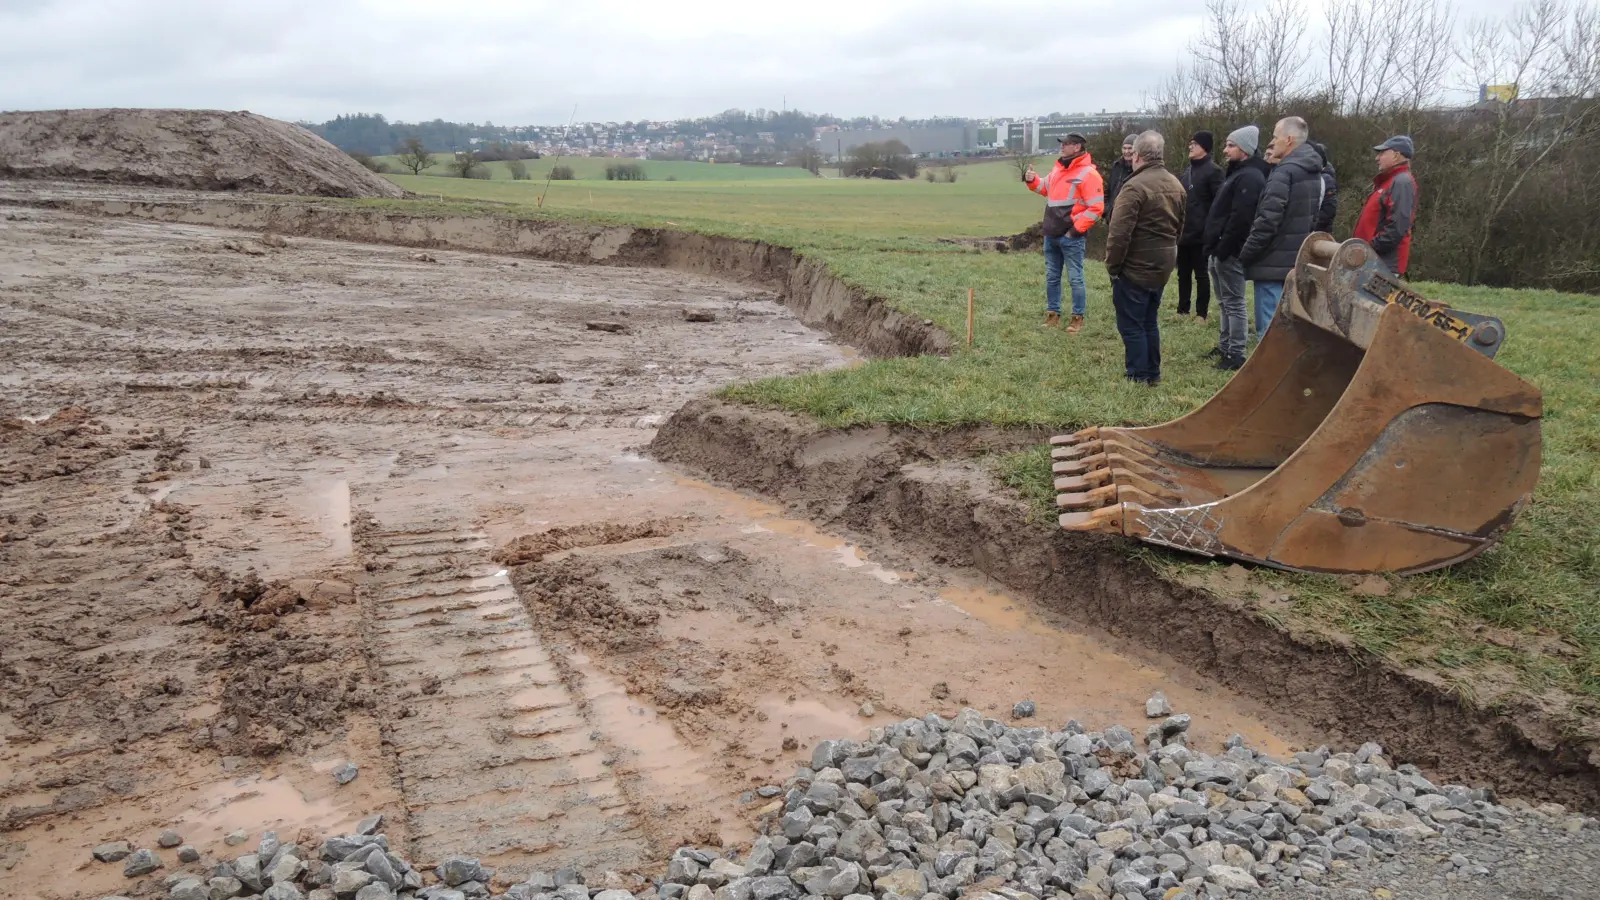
528,62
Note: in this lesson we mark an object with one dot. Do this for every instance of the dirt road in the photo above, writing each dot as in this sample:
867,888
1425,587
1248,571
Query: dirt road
271,506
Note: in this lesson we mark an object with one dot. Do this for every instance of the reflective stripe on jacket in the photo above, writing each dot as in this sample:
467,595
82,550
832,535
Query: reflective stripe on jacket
1074,196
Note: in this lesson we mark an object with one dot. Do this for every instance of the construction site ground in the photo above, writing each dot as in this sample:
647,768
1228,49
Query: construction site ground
271,505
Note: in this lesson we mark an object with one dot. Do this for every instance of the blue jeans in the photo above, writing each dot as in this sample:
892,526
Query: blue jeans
1141,334
1069,250
1268,293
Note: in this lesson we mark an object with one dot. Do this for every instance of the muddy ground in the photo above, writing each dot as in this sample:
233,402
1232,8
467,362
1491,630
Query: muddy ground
269,505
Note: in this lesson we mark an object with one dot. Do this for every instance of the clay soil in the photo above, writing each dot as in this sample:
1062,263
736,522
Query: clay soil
269,504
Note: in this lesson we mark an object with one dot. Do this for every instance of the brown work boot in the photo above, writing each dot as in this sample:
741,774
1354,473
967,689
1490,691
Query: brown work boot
1076,325
1051,319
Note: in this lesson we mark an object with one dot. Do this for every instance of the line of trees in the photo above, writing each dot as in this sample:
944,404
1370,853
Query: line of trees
375,135
808,158
626,172
790,131
1510,189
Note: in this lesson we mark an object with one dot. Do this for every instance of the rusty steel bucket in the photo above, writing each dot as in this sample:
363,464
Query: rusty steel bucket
1370,431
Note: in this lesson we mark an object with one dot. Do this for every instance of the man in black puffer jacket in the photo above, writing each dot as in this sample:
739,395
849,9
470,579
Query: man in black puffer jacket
1330,191
1202,179
1227,225
1285,217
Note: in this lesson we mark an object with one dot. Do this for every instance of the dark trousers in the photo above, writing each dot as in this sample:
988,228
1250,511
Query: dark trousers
1192,270
1141,334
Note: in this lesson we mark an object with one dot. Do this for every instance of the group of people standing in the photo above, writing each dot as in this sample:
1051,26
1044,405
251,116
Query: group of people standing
1218,226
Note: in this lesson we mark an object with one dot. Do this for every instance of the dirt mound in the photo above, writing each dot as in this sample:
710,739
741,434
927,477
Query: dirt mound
198,149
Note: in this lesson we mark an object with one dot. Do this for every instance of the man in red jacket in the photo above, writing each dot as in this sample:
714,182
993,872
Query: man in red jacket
1074,200
1391,209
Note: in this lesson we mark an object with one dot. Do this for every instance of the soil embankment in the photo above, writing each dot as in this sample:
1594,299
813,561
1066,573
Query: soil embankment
885,483
208,150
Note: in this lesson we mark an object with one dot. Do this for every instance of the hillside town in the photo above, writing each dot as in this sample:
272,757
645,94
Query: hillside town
758,137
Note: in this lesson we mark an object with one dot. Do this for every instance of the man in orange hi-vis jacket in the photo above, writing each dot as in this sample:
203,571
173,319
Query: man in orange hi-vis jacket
1074,199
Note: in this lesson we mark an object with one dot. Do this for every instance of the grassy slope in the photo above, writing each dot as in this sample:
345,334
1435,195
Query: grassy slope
1521,620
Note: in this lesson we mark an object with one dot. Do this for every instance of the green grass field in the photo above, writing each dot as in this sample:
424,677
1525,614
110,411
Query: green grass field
586,168
798,211
1522,621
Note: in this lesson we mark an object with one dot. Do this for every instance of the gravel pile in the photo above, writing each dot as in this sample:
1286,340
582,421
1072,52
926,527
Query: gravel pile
944,807
970,807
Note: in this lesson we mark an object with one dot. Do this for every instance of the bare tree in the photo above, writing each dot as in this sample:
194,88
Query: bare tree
1022,162
1427,54
1388,56
1181,92
414,156
1279,35
1362,47
1549,52
1225,57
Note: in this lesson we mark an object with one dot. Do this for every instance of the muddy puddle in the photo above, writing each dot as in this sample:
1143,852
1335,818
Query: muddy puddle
361,431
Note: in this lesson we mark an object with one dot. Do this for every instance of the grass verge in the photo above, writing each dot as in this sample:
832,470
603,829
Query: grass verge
1518,624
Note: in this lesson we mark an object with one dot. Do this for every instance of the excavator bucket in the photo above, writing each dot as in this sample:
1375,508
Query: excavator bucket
1370,431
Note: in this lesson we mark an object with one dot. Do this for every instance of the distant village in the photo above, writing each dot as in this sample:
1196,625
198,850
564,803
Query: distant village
668,140
756,138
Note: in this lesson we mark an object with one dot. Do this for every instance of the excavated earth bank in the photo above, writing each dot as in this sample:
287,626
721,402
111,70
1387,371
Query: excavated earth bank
885,483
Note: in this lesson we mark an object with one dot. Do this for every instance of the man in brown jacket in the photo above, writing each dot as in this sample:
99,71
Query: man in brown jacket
1141,253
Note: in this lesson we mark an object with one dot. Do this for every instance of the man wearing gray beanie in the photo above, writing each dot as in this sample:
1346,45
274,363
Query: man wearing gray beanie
1227,225
1118,174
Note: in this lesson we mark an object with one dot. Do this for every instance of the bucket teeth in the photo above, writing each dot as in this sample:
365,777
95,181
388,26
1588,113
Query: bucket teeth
1118,477
1084,482
1110,495
1079,466
1108,461
1106,519
1078,451
1100,496
1128,447
1076,438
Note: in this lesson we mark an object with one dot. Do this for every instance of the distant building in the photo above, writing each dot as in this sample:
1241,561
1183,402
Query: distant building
1043,136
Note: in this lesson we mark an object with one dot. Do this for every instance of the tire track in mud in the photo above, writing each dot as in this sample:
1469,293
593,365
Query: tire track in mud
496,756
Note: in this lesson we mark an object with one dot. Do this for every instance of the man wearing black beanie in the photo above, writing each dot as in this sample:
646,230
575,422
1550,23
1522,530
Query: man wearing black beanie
1202,179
